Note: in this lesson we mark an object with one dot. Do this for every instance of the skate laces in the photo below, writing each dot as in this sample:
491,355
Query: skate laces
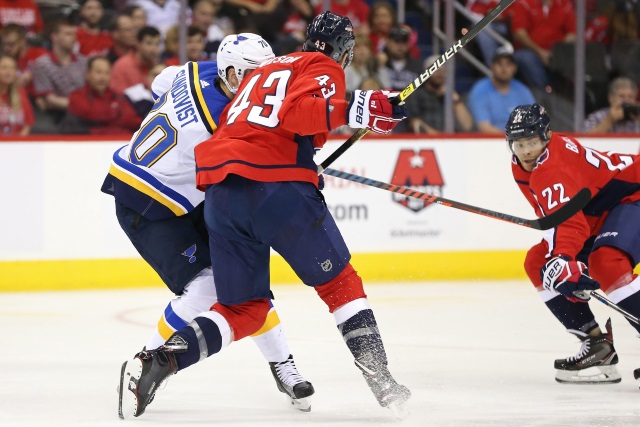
584,350
288,373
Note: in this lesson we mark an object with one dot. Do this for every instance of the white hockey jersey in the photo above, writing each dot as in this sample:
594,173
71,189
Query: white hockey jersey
155,173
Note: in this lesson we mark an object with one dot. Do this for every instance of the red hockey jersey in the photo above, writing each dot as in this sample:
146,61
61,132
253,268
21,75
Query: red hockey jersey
561,171
283,111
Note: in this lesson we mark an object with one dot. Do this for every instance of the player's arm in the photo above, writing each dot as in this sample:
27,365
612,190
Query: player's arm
315,103
552,187
563,272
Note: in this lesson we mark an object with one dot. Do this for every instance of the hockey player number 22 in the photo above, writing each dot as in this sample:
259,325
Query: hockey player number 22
275,87
550,194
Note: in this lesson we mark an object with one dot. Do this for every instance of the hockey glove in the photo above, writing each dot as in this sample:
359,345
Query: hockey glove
372,109
569,278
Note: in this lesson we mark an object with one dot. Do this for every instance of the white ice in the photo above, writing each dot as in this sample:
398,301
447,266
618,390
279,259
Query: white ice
473,354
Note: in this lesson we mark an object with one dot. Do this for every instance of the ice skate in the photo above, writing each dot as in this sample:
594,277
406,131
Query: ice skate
387,391
291,383
636,375
141,377
595,363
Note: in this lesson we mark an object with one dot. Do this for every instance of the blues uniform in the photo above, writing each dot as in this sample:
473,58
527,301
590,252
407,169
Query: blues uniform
154,174
153,177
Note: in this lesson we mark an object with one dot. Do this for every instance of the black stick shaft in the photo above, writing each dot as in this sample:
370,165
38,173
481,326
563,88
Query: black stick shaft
574,205
614,306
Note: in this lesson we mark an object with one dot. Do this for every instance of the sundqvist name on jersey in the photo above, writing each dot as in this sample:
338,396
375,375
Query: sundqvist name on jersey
182,102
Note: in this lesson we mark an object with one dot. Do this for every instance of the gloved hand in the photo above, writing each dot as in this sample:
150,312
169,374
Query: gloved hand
569,278
372,109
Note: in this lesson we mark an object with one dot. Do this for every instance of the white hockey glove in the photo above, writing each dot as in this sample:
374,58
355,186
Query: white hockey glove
569,278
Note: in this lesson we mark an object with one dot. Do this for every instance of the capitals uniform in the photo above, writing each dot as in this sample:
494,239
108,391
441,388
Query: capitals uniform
282,114
265,191
605,234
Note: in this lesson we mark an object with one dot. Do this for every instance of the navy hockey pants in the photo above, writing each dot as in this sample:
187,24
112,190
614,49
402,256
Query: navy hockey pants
246,218
176,248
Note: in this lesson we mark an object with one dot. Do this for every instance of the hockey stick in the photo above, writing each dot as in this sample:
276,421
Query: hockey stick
614,306
489,17
572,207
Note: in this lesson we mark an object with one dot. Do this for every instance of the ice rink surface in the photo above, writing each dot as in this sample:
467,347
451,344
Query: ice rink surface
473,354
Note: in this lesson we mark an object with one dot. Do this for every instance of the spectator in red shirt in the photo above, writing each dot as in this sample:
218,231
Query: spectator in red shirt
196,40
356,10
536,26
13,38
123,34
133,68
16,114
22,12
93,40
96,109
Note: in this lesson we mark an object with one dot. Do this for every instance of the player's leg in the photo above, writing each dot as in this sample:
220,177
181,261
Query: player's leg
616,252
273,345
241,268
596,359
311,243
177,249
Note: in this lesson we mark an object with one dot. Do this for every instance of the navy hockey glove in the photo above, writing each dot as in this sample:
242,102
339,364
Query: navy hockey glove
569,278
372,109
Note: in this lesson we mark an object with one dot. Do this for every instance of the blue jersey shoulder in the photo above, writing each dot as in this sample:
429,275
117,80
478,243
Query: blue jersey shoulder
209,99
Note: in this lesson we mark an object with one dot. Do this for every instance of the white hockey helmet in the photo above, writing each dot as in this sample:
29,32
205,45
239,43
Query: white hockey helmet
244,51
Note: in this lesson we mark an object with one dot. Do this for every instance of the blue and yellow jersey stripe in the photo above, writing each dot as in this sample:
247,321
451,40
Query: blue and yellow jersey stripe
199,76
147,184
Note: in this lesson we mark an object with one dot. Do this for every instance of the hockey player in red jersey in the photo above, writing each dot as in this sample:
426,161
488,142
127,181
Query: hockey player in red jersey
549,169
262,192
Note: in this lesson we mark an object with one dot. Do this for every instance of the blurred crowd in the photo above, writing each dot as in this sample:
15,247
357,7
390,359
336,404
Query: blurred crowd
85,67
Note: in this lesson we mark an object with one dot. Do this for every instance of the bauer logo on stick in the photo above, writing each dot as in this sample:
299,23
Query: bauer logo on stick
420,171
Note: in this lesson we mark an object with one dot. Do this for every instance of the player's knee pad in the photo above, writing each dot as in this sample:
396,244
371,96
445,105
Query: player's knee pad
610,267
200,294
246,318
344,288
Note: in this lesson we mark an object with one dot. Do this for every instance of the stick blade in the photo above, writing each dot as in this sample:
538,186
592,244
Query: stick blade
572,207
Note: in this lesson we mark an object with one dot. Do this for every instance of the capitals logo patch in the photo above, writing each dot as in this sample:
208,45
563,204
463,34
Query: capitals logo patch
420,171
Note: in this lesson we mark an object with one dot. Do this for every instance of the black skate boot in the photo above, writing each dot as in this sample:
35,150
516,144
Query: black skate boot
595,363
291,383
387,391
636,375
141,377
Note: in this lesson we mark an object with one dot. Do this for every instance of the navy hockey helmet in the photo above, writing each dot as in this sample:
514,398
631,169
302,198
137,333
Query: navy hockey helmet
526,121
331,35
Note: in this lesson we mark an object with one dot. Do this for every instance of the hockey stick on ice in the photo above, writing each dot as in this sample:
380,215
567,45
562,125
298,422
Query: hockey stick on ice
572,207
489,17
614,306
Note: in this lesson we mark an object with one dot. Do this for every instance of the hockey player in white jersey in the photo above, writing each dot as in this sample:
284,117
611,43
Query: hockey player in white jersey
159,208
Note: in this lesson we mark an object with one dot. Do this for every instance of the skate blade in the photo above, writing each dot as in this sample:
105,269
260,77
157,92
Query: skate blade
607,374
400,410
303,404
127,391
